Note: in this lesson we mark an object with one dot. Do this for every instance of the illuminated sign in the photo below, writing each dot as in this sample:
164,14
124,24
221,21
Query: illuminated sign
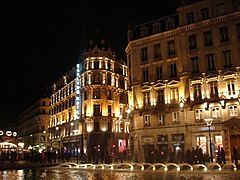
77,90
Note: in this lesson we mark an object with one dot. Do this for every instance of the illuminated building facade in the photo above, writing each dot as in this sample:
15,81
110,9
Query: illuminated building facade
89,110
33,125
184,68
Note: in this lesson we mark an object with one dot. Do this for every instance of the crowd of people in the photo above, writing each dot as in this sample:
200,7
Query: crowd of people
96,156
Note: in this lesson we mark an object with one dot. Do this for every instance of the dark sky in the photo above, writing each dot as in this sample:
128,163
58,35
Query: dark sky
40,41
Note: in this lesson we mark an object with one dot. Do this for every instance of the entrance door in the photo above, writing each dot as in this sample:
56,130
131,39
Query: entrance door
235,141
148,153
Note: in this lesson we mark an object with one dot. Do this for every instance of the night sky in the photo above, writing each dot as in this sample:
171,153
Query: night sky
40,41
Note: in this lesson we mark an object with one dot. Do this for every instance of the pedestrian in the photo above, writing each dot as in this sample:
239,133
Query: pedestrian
223,155
235,155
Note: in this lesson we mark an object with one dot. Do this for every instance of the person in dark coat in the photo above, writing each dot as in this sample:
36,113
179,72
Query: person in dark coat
223,158
235,155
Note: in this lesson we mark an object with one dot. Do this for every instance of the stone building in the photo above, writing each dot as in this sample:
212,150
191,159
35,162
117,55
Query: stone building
89,103
184,70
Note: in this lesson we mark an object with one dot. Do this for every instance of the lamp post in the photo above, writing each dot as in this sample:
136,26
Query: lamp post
209,123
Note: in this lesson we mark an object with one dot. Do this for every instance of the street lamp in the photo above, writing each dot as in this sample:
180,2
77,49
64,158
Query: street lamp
209,123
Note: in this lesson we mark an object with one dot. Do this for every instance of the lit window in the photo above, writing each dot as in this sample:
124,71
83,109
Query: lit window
215,112
161,120
176,118
230,87
199,115
147,120
233,111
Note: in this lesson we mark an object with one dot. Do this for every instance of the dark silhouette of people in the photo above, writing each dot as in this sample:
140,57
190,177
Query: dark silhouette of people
223,159
235,155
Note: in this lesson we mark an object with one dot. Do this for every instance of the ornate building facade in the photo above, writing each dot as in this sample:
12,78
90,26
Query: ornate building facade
89,104
184,69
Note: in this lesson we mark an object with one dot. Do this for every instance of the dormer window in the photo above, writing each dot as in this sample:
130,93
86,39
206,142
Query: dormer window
170,23
143,31
190,18
156,27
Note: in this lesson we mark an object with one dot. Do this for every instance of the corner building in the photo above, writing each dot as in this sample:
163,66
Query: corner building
89,111
184,69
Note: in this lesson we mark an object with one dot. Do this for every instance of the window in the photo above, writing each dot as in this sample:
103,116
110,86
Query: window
192,40
238,30
161,119
190,18
220,9
195,66
160,97
146,120
197,93
96,93
213,89
96,64
144,56
174,95
230,87
109,94
109,110
96,110
156,27
199,115
208,38
157,51
227,59
176,118
170,23
143,31
224,34
210,62
171,48
204,13
147,99
145,75
215,112
173,70
233,110
159,72
123,98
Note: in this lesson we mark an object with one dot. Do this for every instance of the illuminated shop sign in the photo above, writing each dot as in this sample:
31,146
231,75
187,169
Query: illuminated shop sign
206,128
8,133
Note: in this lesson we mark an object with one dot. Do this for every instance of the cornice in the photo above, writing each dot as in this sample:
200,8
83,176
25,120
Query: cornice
186,28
